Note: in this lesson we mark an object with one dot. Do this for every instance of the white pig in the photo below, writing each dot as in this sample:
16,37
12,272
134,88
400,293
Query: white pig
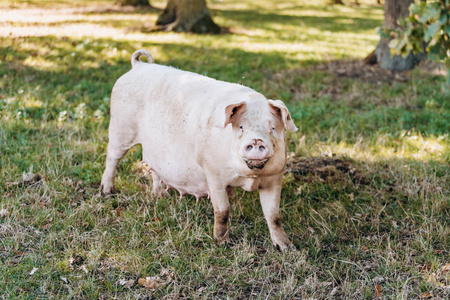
202,137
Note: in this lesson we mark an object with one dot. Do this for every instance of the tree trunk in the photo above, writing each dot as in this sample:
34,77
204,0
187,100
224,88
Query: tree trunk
133,2
187,15
394,10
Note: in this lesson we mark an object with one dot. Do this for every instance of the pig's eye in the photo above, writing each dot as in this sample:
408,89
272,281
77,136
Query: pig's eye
241,127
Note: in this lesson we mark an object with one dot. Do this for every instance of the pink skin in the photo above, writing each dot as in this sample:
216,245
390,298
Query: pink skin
256,150
182,120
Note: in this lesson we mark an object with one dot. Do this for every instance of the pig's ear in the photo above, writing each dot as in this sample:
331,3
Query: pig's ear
279,109
229,112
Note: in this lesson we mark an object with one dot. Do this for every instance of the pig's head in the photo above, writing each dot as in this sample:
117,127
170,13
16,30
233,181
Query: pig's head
258,146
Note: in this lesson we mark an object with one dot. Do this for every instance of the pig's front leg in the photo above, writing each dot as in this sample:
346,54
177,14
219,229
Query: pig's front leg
219,199
270,201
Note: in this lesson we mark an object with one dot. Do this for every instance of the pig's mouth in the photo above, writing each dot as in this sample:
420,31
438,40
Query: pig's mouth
255,163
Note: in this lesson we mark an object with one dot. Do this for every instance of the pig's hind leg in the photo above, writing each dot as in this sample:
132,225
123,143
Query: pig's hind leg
159,188
121,139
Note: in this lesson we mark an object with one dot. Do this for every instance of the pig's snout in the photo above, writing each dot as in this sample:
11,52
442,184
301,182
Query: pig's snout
256,149
256,154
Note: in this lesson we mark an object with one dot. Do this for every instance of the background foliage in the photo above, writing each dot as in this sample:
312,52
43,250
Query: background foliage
427,27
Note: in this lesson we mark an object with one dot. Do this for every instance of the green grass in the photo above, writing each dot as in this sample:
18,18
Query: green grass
386,215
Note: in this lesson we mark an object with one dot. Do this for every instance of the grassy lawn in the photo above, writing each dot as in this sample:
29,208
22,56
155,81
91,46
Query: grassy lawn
366,198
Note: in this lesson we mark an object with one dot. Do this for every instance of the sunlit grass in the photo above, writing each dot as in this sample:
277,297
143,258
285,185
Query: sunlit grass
301,34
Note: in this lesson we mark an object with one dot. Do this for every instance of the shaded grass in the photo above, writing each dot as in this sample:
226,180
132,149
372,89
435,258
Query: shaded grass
391,223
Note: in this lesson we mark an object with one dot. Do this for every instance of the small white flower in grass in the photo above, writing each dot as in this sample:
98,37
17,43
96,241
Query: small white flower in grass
79,111
98,114
62,116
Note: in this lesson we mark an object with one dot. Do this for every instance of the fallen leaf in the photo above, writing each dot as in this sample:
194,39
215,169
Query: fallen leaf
351,197
119,211
127,283
426,295
151,282
4,213
367,267
364,248
164,272
445,269
76,261
394,223
30,177
378,279
334,291
83,268
377,290
46,226
33,271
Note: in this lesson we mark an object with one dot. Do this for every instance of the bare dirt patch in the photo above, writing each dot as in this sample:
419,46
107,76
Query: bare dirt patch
328,169
372,73
359,70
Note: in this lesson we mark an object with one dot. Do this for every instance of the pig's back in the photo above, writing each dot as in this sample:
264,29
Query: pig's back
170,109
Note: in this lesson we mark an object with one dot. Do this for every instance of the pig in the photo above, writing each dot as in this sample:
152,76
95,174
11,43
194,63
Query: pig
201,136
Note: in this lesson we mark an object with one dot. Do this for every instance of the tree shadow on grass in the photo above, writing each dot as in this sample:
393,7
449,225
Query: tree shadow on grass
321,23
79,63
275,22
80,72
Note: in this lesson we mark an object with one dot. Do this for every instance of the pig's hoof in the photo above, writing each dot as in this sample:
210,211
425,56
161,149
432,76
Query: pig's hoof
106,191
282,242
224,240
285,248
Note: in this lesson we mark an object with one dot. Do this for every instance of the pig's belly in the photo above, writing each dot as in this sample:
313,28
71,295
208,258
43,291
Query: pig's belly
180,172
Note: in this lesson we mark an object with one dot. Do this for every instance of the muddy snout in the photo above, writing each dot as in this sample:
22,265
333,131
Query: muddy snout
256,153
